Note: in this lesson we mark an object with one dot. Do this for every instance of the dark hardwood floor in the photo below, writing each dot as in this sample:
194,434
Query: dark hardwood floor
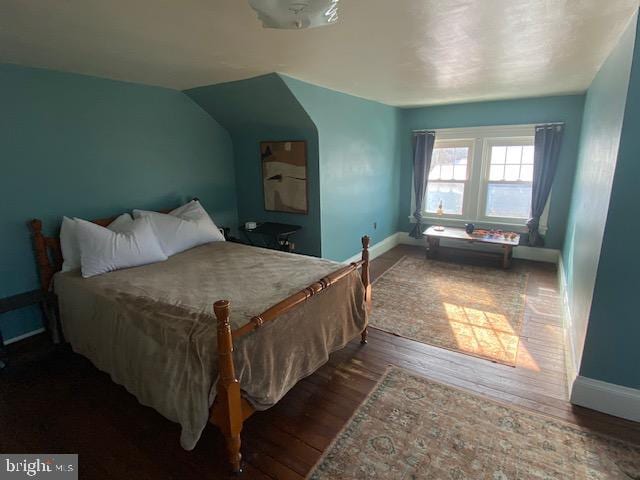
56,401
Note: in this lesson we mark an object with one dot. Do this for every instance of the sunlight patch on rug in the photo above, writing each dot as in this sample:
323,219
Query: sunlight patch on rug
474,310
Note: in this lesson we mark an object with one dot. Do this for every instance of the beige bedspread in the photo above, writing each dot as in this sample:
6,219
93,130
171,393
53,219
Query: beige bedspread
153,330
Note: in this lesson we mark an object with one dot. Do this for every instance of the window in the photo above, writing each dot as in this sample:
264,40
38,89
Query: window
483,175
508,180
448,177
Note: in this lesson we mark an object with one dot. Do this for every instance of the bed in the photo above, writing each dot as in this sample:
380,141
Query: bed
206,336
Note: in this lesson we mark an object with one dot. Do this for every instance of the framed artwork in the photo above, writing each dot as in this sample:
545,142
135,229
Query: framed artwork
284,176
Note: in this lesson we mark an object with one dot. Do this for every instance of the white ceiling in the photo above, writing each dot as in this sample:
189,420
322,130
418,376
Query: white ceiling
399,52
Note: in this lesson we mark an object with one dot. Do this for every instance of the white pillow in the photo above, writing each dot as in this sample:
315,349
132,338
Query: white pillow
122,224
183,228
102,250
69,239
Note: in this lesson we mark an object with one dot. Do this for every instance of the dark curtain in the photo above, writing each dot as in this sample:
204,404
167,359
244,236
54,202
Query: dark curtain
422,150
545,161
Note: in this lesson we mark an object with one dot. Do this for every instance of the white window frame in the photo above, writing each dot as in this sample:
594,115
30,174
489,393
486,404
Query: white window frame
488,143
474,201
456,143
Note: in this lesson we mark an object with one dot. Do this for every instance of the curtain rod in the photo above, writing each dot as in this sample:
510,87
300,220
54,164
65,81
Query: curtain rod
423,130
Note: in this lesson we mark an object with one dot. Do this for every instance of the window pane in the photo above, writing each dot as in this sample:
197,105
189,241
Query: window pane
526,173
511,172
461,156
514,154
451,195
509,201
527,154
446,156
449,163
460,172
446,172
497,155
496,172
434,168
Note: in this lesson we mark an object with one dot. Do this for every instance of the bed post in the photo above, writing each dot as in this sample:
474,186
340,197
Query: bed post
40,246
366,281
229,414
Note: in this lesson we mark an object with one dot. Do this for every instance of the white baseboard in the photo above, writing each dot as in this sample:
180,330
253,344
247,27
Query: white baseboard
606,397
23,336
537,254
570,358
378,249
406,239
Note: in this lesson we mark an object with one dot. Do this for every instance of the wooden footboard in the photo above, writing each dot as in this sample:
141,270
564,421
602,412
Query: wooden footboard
230,409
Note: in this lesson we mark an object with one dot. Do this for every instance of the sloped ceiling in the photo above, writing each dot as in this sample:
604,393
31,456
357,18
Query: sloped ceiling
264,109
261,101
401,52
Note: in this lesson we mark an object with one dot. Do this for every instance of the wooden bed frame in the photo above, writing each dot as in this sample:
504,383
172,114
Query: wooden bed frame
229,409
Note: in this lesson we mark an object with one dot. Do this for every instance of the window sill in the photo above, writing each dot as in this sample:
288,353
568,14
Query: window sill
459,222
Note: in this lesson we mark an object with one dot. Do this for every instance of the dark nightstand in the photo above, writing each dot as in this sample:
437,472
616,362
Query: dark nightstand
271,235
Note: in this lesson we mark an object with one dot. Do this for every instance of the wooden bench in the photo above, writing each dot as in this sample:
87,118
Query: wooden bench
434,235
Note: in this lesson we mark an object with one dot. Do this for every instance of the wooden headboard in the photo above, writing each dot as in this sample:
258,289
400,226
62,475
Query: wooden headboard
48,252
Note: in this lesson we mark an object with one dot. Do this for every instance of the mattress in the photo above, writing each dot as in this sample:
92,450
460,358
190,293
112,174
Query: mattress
152,328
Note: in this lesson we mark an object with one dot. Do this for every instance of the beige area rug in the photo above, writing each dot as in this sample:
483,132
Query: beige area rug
412,428
471,309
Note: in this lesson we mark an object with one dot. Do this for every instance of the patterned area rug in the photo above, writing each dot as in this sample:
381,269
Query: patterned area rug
412,428
474,310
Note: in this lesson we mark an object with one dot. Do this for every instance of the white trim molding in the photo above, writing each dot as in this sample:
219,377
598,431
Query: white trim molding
606,397
518,130
431,219
570,357
23,336
378,249
537,254
405,239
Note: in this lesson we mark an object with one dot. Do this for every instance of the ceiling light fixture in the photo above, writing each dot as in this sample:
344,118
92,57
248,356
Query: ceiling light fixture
296,14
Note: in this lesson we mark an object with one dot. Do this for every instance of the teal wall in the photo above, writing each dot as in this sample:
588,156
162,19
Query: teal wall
602,258
359,167
259,109
353,157
566,109
91,147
